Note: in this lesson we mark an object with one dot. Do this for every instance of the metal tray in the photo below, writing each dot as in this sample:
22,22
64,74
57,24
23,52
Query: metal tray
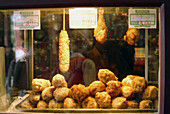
82,110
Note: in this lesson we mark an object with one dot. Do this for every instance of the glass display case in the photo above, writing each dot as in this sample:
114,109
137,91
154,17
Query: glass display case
93,59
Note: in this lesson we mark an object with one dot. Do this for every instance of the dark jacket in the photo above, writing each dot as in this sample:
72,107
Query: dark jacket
117,56
16,75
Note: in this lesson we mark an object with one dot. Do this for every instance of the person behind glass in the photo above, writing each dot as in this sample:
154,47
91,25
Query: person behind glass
82,70
113,55
16,75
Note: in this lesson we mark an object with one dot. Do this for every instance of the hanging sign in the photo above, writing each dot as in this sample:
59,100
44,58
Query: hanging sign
26,19
82,18
142,18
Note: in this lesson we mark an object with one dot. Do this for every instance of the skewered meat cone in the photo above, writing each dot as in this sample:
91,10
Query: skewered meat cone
100,33
64,52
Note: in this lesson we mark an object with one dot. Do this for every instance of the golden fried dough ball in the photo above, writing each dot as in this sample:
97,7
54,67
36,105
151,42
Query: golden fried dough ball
113,88
103,99
61,93
106,75
151,92
42,104
128,92
96,86
59,81
27,104
119,103
89,102
136,82
132,104
145,104
70,103
78,92
47,93
156,104
54,104
34,97
40,84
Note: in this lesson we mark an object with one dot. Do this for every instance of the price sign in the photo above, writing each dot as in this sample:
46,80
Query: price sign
26,20
83,18
142,18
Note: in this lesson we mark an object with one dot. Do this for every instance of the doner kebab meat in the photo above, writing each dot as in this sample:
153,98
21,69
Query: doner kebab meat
64,52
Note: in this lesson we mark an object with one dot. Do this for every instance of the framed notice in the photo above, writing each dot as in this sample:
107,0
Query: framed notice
26,19
142,18
80,18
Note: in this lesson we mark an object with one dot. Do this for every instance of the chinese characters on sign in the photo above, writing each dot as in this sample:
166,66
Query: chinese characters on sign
26,20
142,18
83,18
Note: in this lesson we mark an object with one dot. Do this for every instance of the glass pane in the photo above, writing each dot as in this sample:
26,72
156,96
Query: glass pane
111,68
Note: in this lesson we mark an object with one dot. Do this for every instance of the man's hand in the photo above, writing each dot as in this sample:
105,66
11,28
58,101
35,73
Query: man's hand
132,36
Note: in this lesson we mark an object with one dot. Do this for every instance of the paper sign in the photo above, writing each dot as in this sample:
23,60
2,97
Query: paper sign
142,18
83,18
26,20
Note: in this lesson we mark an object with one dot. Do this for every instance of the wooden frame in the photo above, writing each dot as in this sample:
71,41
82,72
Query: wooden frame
163,4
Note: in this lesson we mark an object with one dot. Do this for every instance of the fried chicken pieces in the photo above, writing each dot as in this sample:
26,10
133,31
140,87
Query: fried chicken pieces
60,93
54,104
100,33
136,82
70,103
107,92
103,99
106,75
59,81
119,103
132,36
34,97
79,92
113,88
47,93
89,102
40,84
44,95
96,86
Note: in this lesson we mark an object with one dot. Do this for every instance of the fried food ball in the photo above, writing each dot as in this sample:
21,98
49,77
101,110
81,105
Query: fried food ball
47,93
145,104
61,93
113,88
132,104
27,104
40,84
42,104
89,102
156,104
151,92
128,92
59,81
132,36
96,86
106,75
103,99
70,103
119,103
78,92
54,104
136,82
34,97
